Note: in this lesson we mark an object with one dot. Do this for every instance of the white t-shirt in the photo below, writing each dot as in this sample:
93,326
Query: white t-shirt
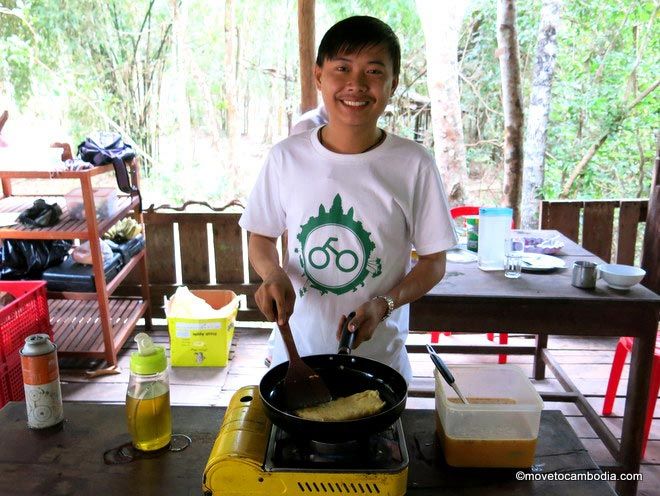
352,221
310,119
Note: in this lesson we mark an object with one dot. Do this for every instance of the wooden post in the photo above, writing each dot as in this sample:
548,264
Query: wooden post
651,250
306,47
6,182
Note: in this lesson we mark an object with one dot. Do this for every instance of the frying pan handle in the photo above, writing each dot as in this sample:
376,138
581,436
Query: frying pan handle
347,337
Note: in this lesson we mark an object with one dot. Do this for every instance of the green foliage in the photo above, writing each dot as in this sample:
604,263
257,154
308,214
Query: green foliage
587,100
118,61
590,98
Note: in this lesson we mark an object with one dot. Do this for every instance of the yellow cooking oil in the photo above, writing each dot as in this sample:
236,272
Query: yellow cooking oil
148,396
149,421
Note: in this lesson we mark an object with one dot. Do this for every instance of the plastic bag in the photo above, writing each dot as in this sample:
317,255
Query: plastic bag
184,304
25,259
83,255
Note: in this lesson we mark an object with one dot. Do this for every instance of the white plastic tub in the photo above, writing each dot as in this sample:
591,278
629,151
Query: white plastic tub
500,426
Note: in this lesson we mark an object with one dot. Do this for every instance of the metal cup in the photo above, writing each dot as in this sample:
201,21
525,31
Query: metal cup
584,274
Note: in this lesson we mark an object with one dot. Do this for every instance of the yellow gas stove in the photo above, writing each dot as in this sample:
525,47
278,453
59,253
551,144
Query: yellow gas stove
253,457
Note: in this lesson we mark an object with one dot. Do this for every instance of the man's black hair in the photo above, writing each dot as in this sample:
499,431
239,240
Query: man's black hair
356,33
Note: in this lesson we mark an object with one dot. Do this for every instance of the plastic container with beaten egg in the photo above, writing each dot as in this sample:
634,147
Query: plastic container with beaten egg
500,425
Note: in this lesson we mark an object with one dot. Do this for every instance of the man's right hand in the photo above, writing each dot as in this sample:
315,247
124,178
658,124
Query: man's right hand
276,291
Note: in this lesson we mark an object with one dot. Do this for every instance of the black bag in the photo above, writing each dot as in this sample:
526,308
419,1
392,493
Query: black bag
40,214
105,147
25,259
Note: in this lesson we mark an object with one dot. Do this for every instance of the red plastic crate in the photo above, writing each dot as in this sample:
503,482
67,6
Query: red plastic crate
13,378
5,394
26,315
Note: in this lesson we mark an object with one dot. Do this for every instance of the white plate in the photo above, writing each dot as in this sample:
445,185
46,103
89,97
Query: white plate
458,255
538,262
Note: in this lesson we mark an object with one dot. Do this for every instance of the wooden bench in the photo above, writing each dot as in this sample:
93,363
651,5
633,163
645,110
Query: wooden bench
207,248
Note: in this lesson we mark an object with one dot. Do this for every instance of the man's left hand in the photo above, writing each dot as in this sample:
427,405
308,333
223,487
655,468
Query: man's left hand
367,317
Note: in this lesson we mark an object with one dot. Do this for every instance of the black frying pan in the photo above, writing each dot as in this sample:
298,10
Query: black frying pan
344,375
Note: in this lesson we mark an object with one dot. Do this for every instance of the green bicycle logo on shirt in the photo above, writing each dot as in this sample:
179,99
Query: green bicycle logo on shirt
323,250
336,251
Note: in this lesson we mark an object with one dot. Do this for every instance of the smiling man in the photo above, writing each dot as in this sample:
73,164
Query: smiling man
355,200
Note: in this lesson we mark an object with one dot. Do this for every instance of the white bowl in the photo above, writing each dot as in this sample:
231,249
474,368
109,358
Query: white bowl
619,276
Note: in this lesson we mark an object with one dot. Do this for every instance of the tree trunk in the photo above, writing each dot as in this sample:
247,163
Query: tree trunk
507,40
441,22
537,113
180,84
231,97
306,46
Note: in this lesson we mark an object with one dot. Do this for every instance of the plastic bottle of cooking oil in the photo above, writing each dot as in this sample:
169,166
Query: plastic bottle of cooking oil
148,397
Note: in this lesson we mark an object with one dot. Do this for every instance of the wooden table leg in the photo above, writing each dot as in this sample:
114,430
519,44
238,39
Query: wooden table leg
635,411
6,186
539,364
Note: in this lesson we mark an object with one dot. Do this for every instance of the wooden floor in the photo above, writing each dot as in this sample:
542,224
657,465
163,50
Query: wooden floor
587,361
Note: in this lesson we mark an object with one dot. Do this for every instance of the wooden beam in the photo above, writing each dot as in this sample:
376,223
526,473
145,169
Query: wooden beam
590,415
306,47
628,222
598,228
651,250
564,216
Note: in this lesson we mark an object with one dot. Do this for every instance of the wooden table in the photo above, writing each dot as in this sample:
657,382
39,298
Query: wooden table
471,300
69,461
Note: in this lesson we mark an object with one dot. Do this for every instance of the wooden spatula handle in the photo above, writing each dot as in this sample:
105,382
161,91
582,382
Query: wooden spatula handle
290,344
287,337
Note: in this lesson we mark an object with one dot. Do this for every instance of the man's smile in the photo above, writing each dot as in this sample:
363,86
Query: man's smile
354,103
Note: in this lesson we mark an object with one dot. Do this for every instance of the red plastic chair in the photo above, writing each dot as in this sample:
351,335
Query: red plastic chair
503,337
622,348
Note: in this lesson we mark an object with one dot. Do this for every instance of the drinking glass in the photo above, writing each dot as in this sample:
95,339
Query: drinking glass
514,248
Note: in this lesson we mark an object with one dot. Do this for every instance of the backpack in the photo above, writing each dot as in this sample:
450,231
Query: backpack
104,147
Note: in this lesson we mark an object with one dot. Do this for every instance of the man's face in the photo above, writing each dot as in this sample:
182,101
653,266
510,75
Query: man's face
356,87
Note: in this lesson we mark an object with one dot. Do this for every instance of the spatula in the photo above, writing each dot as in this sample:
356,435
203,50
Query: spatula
303,387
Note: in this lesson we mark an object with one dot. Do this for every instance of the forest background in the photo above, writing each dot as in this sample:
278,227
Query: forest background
159,72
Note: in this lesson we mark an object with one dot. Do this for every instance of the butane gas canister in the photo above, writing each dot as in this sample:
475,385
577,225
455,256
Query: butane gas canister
41,379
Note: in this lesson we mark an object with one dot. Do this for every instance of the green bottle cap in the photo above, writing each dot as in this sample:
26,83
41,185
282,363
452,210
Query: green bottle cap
149,358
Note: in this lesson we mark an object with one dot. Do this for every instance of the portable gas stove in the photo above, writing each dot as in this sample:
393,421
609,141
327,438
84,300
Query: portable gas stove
252,456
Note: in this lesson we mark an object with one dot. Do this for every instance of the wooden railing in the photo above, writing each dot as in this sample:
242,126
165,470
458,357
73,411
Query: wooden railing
211,249
601,226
